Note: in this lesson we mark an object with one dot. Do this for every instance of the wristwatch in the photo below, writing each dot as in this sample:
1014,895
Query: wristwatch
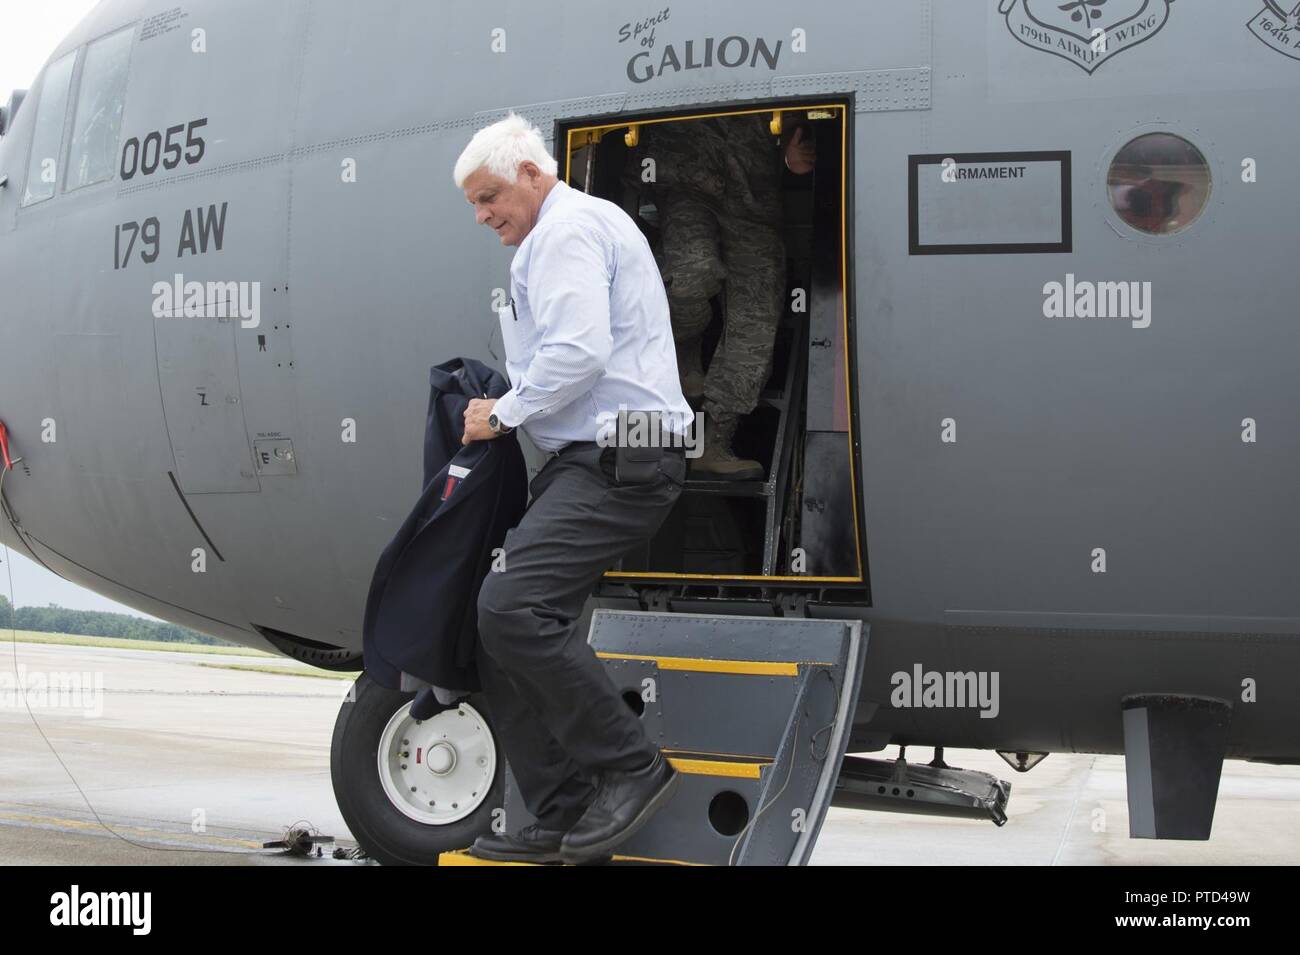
495,425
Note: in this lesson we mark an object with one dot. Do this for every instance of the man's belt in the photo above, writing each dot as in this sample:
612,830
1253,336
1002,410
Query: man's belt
573,446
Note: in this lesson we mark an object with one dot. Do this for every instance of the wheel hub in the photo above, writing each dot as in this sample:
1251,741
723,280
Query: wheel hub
437,771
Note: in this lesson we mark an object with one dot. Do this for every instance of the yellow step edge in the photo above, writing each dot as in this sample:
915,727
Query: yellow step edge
699,767
715,767
700,665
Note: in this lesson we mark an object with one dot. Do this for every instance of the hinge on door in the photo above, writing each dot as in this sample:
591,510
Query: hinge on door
791,604
656,600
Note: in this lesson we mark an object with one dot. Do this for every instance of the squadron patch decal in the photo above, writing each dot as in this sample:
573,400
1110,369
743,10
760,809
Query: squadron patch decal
1085,32
1278,28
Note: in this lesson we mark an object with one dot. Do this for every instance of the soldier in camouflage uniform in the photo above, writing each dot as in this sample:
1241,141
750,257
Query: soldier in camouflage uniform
717,186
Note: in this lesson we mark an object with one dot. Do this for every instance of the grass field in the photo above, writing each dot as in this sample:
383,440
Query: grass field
284,671
117,643
199,649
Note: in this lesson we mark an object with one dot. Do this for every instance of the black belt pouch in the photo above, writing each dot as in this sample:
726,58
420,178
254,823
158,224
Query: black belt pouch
637,465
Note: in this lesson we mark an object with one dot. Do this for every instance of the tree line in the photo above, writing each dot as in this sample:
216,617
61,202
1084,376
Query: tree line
98,623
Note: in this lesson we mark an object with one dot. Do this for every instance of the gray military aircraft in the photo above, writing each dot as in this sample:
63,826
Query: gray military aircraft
1030,438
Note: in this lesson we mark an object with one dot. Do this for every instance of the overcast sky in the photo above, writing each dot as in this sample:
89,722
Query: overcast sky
31,30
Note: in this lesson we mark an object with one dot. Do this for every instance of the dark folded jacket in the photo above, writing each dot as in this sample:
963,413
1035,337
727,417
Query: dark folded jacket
421,615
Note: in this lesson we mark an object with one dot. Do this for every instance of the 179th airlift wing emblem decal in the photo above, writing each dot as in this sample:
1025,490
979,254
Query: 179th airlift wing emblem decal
1278,28
1085,32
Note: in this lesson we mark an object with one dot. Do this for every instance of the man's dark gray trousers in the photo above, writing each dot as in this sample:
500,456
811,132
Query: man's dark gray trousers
557,713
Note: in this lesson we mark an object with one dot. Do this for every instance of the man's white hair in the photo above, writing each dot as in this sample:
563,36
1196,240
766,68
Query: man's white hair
502,147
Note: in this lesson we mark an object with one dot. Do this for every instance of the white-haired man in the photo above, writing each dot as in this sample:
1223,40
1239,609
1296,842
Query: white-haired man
587,333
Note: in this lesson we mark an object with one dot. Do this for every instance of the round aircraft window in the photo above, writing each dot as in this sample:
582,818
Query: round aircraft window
1159,183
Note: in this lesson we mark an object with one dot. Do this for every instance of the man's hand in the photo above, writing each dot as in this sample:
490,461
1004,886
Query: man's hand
800,156
476,420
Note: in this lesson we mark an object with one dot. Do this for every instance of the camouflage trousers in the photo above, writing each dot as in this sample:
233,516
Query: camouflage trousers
703,248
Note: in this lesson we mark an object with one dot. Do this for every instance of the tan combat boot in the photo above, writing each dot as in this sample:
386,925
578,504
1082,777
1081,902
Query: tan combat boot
719,462
690,369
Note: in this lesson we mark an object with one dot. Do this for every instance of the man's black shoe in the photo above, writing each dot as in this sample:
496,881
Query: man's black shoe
623,803
425,706
530,844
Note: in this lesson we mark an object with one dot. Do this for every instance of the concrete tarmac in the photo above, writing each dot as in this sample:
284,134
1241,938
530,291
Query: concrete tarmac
193,765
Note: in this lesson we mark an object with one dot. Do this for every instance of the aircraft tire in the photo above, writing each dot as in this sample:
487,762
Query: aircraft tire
384,831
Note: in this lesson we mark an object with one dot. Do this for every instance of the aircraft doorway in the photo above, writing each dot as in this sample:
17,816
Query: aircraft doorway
783,507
